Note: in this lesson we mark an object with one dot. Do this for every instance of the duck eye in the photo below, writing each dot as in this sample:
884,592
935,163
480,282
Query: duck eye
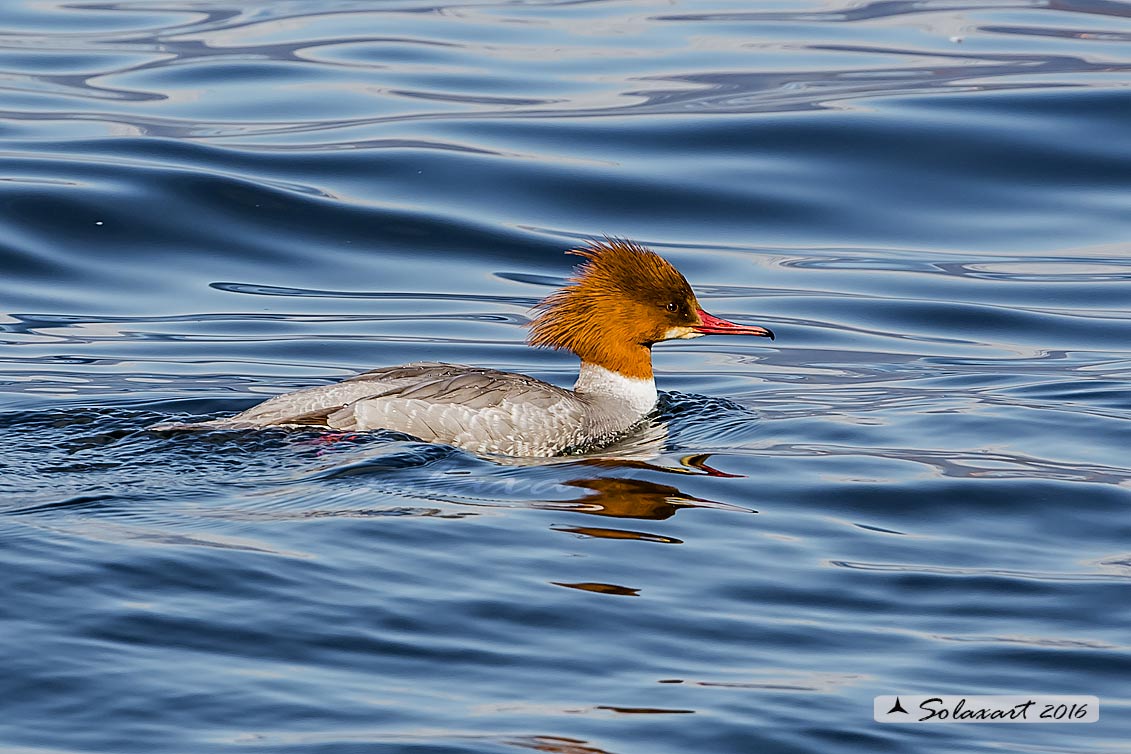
672,306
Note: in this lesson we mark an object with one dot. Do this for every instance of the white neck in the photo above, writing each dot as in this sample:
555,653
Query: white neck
638,395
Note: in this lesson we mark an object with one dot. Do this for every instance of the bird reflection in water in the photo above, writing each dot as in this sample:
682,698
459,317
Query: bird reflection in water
626,497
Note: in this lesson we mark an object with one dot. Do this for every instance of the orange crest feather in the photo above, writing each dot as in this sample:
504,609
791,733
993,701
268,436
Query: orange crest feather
606,315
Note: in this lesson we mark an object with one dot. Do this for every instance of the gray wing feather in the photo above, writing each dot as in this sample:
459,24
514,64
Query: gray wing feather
483,410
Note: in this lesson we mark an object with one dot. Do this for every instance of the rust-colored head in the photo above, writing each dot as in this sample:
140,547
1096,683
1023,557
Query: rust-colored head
624,299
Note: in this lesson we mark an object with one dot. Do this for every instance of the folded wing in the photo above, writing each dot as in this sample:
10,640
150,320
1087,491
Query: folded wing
483,410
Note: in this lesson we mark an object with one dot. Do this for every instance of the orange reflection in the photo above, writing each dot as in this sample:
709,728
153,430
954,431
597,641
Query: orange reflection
596,586
635,498
556,745
602,533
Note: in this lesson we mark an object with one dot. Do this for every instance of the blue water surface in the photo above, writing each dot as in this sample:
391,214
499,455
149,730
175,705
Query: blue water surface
923,486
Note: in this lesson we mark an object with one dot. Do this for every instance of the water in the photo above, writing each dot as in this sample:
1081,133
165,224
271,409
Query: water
922,486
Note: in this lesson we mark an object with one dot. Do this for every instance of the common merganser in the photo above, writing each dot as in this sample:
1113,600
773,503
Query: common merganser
624,299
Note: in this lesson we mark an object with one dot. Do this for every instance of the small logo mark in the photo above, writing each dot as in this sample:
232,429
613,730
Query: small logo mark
897,707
